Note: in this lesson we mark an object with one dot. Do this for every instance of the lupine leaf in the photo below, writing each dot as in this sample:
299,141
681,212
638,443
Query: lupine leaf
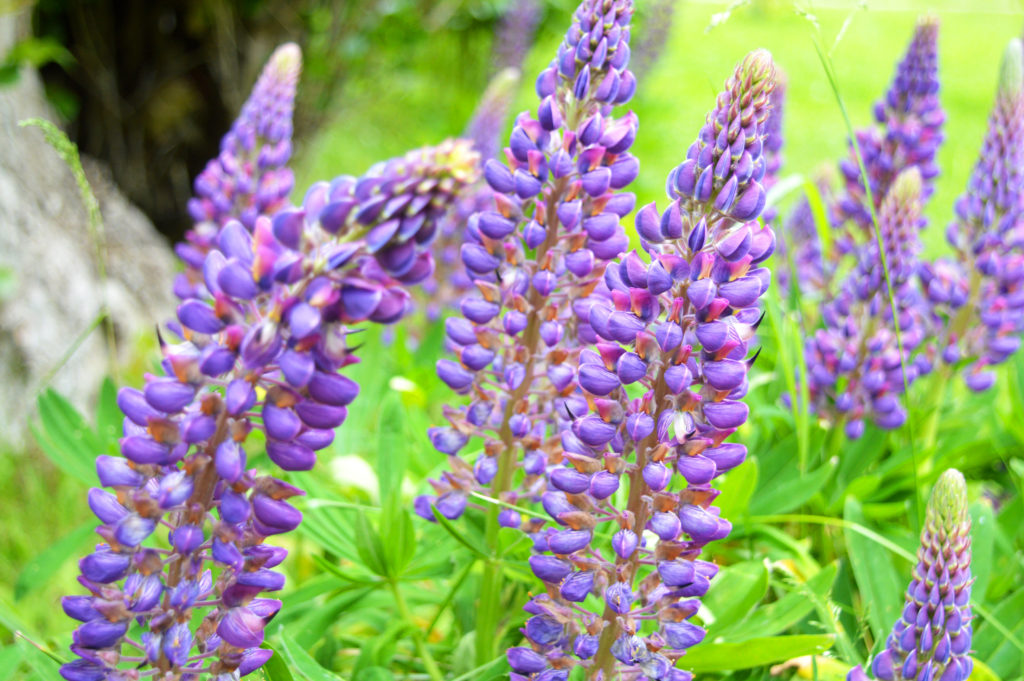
983,529
757,652
38,571
374,674
65,437
108,416
370,547
877,580
302,664
462,537
788,610
1010,613
44,664
786,496
392,441
737,489
734,593
276,668
379,652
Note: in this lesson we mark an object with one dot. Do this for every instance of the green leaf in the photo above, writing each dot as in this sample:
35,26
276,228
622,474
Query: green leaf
983,529
379,652
782,497
392,441
462,537
276,668
879,584
45,665
38,571
737,489
981,671
734,593
787,611
369,546
108,416
399,538
757,652
987,637
66,438
302,664
374,674
10,659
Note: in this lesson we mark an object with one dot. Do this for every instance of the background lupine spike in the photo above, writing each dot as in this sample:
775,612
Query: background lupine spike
250,176
773,141
656,24
977,298
932,638
491,114
514,33
263,343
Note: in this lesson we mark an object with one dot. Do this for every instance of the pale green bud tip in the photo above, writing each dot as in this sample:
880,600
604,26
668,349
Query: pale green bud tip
758,66
286,60
907,187
948,505
1011,75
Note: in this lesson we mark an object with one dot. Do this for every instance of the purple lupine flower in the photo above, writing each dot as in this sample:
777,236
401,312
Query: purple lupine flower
678,331
932,638
978,298
855,366
555,223
250,177
910,119
261,350
654,27
513,36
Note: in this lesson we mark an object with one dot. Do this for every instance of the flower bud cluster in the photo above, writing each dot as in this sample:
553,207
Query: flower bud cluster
856,366
932,638
978,298
183,558
557,203
660,391
250,177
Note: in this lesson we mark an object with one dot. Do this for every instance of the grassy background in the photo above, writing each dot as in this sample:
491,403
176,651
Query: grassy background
425,90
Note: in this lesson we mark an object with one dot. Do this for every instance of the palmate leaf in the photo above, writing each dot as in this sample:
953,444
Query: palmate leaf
734,593
787,495
786,612
756,652
301,664
66,438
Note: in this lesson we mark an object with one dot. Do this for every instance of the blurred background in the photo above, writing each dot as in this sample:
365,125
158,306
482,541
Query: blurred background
146,90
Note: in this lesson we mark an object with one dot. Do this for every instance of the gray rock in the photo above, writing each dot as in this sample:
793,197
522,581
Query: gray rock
53,291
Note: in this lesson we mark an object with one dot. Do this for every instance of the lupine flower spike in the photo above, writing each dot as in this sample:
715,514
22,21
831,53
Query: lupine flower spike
931,640
250,177
978,298
555,223
678,331
855,367
655,27
183,559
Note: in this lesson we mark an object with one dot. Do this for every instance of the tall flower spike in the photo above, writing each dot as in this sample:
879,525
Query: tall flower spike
250,177
678,331
262,350
655,26
514,33
855,367
558,205
932,638
978,298
911,120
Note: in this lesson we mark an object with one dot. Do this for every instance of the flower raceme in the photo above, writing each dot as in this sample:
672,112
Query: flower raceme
661,383
932,638
978,297
857,366
558,202
184,559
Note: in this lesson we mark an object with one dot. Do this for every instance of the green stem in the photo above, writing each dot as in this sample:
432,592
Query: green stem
417,634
